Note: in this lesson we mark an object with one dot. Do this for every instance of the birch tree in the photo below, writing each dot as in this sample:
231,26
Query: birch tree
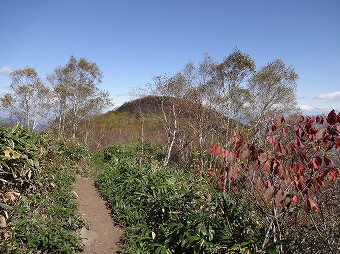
28,99
272,93
76,94
229,81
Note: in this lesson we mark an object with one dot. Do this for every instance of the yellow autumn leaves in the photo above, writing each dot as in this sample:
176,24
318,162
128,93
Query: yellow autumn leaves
10,154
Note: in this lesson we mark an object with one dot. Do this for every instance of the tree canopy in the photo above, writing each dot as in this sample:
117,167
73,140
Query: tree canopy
27,101
76,93
71,95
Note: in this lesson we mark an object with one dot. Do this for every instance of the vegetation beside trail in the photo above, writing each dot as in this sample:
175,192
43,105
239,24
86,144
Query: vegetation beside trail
276,195
170,210
37,207
212,159
178,208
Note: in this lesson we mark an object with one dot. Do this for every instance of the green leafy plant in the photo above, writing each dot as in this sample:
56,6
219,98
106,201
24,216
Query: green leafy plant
37,173
168,210
19,157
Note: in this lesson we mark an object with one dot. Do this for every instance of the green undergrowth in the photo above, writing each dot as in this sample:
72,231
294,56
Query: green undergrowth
37,173
168,209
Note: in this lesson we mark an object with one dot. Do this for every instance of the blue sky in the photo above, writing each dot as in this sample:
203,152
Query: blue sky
133,40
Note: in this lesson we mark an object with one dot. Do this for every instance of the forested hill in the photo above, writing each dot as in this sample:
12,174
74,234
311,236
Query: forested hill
158,104
153,119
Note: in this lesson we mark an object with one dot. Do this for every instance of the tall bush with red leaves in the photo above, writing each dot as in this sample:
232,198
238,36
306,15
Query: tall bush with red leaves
292,169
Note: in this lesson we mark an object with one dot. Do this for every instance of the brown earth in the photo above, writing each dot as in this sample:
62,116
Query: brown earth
102,236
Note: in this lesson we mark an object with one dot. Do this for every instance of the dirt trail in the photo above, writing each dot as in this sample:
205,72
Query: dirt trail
103,236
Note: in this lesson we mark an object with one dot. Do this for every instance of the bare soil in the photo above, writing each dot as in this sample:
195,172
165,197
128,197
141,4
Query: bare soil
102,236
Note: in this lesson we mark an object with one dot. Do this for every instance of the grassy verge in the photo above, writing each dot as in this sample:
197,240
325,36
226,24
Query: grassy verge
38,208
45,221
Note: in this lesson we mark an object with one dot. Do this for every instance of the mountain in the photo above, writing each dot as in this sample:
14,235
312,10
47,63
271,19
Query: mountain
156,119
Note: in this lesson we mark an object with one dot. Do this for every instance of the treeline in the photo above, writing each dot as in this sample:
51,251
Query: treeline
187,111
197,106
67,96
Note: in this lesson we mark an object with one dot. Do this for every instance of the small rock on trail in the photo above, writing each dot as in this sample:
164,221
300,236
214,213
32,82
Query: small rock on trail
103,236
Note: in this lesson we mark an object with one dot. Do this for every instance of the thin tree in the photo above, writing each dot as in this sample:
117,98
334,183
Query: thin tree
28,99
229,81
273,93
76,92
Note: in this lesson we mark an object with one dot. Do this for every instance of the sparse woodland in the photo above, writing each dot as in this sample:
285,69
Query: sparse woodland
215,158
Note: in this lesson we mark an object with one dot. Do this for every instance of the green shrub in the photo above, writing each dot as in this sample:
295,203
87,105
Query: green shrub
45,223
168,210
37,173
19,155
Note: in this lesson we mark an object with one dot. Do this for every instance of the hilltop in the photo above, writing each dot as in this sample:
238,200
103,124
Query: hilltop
154,118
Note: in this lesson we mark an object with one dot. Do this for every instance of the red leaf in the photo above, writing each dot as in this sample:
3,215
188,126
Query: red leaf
225,153
283,119
284,132
337,143
332,117
320,179
294,168
308,186
212,149
218,150
271,139
312,205
288,180
268,194
304,157
321,133
301,169
232,174
274,128
280,149
308,125
236,153
295,198
230,157
333,174
318,184
267,167
298,183
245,153
298,143
276,166
318,161
258,183
298,131
255,165
221,186
315,163
298,169
237,147
263,157
328,161
212,175
309,119
234,137
319,119
269,184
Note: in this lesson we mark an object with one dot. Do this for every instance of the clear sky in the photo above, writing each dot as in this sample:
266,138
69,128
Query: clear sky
134,40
